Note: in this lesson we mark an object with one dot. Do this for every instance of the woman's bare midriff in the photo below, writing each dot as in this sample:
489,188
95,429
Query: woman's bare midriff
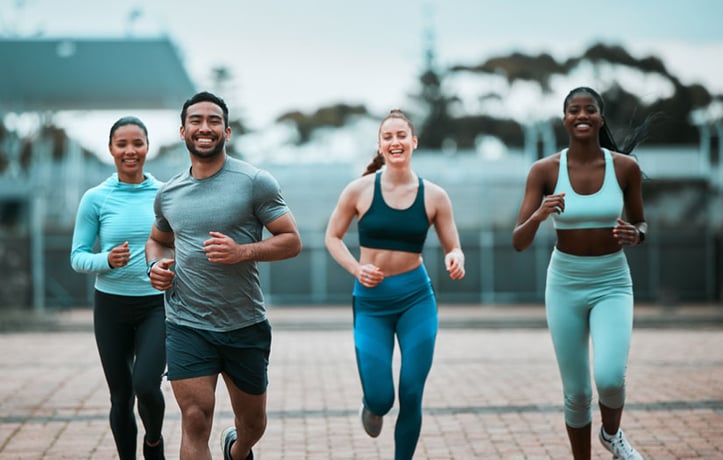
390,262
587,242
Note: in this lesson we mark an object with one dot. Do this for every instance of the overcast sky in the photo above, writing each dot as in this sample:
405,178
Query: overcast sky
294,54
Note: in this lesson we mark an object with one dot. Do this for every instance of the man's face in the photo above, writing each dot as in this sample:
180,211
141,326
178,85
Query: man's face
204,130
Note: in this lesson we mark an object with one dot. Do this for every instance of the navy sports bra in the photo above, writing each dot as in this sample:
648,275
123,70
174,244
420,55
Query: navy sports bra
382,227
597,210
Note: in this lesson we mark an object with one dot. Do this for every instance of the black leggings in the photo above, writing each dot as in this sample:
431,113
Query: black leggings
130,334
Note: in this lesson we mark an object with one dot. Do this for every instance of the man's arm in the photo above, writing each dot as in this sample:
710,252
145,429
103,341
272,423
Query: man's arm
160,254
284,243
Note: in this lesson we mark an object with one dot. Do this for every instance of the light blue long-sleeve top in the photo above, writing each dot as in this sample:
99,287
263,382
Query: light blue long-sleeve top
112,213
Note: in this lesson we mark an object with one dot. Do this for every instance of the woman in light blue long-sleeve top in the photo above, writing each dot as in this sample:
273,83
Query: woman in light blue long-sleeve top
128,313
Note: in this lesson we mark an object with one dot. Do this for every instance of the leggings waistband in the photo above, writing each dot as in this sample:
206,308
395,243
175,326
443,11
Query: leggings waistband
396,285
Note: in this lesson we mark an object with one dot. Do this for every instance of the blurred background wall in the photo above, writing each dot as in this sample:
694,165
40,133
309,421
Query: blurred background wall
679,262
482,121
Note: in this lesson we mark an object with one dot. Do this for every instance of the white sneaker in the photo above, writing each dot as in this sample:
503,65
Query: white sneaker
619,446
372,423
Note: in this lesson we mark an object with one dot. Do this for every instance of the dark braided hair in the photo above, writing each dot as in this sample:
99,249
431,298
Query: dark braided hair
607,140
378,160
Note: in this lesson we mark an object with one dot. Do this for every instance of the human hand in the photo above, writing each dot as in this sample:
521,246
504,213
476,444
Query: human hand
370,275
161,275
119,256
626,233
221,249
454,262
552,204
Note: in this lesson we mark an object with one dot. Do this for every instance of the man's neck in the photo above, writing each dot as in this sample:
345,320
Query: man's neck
202,168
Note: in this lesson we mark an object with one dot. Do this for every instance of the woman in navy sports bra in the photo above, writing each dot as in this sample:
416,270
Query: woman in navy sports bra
589,292
393,294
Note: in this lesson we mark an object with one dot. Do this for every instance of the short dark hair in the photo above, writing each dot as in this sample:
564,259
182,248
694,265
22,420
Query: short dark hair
129,120
204,96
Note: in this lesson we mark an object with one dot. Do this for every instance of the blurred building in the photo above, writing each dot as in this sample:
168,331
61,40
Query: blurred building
42,179
680,261
41,184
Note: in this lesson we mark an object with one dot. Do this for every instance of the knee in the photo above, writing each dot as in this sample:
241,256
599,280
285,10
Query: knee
147,390
578,408
196,420
379,403
255,426
610,378
121,398
410,395
611,391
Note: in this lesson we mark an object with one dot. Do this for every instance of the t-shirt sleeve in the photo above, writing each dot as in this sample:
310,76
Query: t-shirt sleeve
269,204
160,221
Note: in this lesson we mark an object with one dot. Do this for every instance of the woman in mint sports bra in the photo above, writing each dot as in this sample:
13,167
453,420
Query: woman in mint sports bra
589,293
393,295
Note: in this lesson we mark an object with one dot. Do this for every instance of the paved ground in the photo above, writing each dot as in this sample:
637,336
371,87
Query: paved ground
493,392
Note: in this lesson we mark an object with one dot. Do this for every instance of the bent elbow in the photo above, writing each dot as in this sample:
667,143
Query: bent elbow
297,247
330,242
76,265
519,246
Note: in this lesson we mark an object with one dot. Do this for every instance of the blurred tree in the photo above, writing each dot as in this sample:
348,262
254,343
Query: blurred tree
437,125
519,66
223,83
335,116
623,108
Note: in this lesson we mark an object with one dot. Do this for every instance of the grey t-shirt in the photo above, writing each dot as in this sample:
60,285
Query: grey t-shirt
238,201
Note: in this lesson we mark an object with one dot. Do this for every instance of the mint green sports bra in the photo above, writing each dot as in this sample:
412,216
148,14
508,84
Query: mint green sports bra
597,210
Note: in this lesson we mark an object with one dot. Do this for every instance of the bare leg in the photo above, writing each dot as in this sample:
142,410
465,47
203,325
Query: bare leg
249,417
611,419
196,398
580,441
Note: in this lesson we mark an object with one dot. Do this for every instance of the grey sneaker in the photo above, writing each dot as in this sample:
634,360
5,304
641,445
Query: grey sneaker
619,446
227,438
372,423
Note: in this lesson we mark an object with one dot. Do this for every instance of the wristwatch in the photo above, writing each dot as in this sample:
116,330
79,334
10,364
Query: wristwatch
152,263
641,236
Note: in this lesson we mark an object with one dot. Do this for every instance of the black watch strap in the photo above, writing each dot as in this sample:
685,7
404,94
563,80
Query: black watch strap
641,236
150,265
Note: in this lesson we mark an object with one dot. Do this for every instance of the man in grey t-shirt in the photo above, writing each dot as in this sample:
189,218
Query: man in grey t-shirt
203,252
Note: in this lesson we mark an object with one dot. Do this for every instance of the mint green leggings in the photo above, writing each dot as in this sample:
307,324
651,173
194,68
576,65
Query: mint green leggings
590,298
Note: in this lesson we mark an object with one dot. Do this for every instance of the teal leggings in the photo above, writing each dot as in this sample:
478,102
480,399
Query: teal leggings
403,305
590,298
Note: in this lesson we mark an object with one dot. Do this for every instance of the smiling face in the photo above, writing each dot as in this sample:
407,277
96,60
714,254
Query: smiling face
583,118
204,130
129,147
396,141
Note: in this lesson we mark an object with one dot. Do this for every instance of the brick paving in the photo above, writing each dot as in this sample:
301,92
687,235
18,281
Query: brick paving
493,392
